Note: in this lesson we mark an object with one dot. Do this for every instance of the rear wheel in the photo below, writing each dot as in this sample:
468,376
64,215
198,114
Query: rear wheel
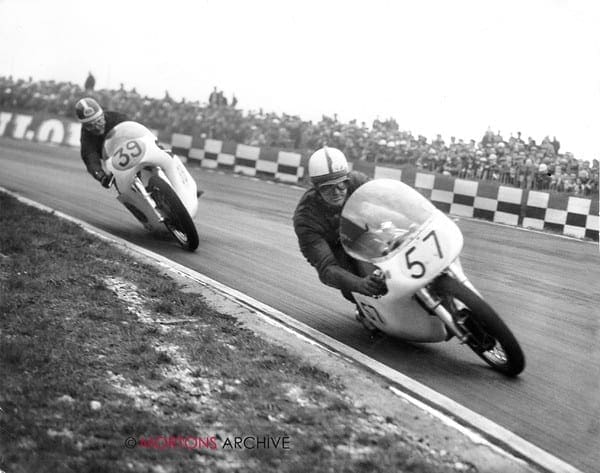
488,335
177,219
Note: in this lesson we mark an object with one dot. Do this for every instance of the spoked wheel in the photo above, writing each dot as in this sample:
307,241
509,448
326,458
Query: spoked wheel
489,337
177,219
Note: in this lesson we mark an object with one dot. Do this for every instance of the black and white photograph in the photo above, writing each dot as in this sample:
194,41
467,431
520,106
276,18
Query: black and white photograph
282,236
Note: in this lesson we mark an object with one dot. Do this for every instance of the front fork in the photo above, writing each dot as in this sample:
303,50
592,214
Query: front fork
455,270
434,304
138,186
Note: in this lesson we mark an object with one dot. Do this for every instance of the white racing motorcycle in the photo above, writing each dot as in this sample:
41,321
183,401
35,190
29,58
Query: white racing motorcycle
153,184
429,299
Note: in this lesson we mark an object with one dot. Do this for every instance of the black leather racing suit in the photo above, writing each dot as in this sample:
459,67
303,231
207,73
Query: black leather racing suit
316,224
91,145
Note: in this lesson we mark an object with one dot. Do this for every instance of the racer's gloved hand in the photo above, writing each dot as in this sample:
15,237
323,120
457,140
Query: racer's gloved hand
106,180
103,178
372,285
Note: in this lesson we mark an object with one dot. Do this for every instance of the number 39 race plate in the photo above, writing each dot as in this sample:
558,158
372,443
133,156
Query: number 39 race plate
128,154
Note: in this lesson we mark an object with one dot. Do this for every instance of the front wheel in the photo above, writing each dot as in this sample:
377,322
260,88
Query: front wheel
488,335
177,219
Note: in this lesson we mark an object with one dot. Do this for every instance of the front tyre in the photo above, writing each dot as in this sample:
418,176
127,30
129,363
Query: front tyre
488,335
177,219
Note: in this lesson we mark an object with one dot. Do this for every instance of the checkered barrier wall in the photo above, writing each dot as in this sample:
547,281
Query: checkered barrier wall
568,215
239,158
574,216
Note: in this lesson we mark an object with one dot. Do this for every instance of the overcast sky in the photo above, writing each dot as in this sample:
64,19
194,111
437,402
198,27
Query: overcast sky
453,67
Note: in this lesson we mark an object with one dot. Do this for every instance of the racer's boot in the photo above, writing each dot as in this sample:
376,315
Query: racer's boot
365,322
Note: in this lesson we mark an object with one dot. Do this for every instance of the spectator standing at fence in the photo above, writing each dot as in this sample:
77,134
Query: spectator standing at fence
556,145
213,98
90,82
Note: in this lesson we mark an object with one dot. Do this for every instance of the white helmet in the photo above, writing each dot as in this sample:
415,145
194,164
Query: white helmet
327,164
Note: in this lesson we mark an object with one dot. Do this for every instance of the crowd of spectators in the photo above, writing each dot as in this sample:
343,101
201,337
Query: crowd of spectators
511,161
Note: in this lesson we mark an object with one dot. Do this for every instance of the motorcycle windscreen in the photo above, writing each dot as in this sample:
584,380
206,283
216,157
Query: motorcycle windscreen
380,216
121,134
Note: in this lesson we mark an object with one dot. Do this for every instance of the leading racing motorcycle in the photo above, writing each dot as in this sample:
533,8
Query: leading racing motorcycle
429,298
153,184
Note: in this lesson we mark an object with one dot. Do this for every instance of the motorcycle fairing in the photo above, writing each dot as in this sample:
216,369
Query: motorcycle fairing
405,319
130,150
391,225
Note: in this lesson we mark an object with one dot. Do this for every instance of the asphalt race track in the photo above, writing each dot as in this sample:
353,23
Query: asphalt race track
546,288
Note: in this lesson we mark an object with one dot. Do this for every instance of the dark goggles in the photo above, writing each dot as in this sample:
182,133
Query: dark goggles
331,188
95,125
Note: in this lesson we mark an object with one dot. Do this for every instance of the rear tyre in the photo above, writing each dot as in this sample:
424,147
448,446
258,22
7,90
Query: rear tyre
489,337
177,219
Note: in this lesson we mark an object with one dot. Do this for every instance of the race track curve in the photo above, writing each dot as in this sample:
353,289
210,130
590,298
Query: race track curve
546,288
